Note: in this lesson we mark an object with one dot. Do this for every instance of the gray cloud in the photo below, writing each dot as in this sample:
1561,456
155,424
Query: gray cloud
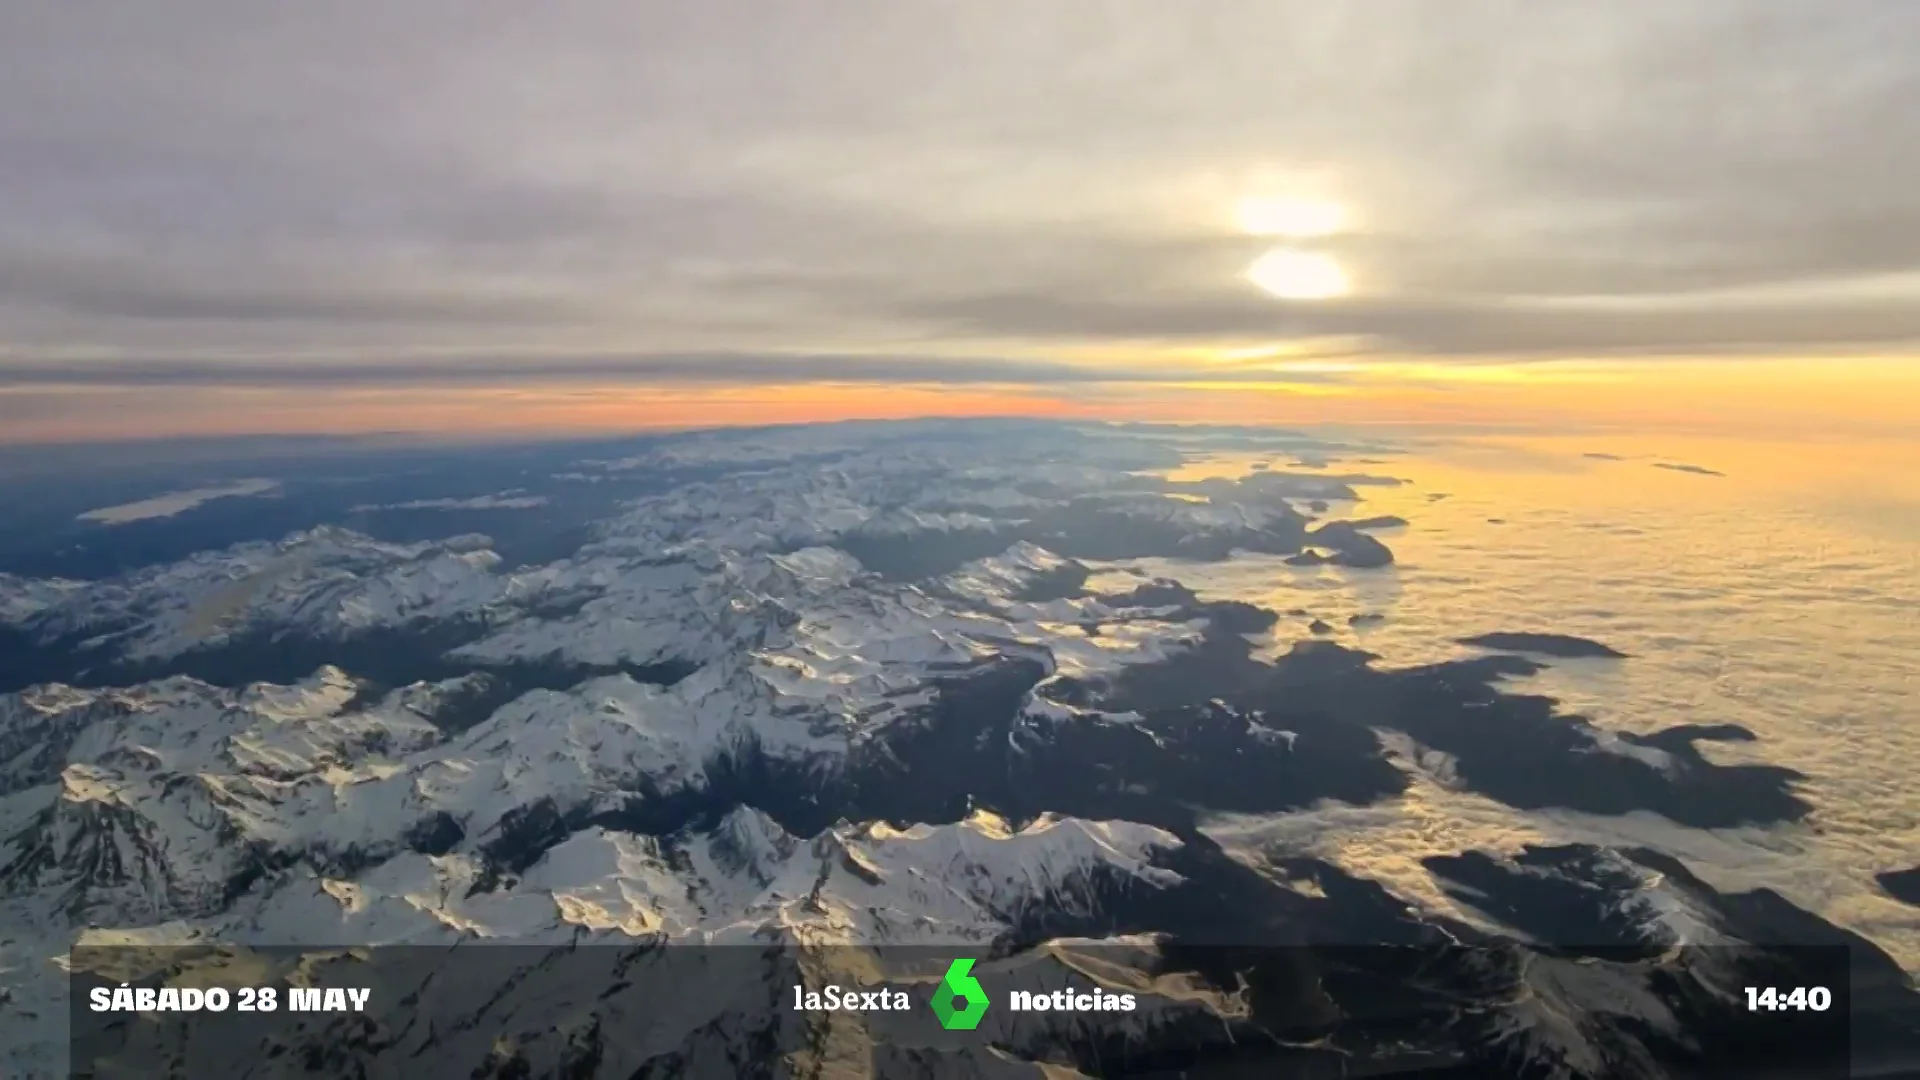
618,368
122,289
1446,327
644,177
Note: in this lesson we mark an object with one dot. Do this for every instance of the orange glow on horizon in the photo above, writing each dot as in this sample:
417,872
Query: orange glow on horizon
530,411
1705,396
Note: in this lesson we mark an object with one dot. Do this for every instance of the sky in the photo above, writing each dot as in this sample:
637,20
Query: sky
223,215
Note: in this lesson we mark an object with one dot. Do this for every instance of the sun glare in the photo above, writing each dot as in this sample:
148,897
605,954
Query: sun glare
1295,219
1293,274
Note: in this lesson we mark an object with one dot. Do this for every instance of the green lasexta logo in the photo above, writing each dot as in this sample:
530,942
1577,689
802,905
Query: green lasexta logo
960,1002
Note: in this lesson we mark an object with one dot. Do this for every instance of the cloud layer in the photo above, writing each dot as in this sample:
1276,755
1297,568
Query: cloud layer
629,368
954,177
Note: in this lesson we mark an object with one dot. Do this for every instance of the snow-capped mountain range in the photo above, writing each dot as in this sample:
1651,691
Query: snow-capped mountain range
843,687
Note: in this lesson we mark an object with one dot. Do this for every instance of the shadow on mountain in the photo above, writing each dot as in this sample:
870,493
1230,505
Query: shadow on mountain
1902,885
1213,729
382,659
1113,527
1564,646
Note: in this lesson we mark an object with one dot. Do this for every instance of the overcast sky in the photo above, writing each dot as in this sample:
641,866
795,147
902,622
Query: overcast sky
1030,180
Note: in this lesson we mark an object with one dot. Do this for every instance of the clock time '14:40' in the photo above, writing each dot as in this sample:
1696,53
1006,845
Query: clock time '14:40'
1799,998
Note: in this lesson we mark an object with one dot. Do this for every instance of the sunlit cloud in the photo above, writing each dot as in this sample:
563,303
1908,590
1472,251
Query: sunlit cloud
1374,187
1296,274
1290,218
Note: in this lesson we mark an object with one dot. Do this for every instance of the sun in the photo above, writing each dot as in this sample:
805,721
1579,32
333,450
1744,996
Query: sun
1293,274
1295,219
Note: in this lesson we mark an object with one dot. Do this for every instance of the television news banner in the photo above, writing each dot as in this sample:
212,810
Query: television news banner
1800,1028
